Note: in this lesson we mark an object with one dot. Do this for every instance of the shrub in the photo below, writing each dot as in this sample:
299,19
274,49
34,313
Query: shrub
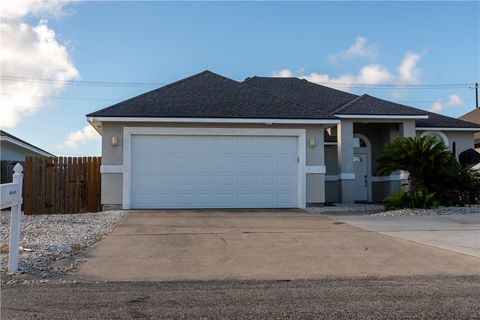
459,186
419,198
395,200
435,175
422,157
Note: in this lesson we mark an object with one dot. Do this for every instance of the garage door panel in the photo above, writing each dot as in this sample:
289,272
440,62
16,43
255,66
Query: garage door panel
213,171
204,180
266,180
285,198
163,180
266,198
224,199
224,180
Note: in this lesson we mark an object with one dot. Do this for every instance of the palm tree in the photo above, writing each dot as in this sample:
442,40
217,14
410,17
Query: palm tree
422,157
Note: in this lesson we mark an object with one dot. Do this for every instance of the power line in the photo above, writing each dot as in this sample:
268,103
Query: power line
55,97
107,99
83,82
150,84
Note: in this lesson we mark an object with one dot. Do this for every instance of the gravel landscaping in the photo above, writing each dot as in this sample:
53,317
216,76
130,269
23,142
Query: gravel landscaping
474,209
47,238
340,208
379,210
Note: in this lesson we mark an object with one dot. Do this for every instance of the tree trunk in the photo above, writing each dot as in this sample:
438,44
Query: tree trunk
416,182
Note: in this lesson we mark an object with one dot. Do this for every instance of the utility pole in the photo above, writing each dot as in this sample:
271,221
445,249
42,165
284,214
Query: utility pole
476,95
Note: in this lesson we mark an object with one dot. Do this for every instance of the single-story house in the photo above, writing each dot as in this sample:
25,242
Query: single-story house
474,116
15,149
208,141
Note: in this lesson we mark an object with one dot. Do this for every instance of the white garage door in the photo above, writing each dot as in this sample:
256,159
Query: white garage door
213,171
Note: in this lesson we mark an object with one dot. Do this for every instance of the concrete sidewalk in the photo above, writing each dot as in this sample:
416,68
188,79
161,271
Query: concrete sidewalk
276,244
458,233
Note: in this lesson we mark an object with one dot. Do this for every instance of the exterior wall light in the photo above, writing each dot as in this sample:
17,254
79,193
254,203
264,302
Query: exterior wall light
114,141
312,143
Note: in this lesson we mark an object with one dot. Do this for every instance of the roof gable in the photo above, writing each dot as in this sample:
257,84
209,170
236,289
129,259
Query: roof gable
473,116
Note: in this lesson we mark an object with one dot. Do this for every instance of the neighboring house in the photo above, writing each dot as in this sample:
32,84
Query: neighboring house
15,149
474,116
211,142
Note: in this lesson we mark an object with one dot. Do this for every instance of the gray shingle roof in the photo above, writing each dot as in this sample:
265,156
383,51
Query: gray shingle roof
436,120
209,95
368,105
303,92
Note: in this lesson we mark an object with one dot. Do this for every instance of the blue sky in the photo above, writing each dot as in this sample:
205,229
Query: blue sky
163,42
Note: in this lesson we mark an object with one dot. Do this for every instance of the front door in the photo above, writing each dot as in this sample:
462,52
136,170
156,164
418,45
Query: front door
360,169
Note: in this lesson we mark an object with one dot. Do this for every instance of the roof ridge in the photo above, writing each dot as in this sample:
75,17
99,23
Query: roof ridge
162,87
302,79
251,86
347,104
401,104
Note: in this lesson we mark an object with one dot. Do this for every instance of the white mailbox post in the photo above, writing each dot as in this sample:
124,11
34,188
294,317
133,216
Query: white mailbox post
11,196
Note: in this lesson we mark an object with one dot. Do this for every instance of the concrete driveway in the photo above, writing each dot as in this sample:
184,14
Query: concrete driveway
459,233
276,244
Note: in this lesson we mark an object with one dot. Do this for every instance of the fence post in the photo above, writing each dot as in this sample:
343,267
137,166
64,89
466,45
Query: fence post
15,219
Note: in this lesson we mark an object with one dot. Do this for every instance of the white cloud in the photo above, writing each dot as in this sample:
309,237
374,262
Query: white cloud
439,106
357,50
408,73
285,73
371,74
81,137
374,74
30,52
12,10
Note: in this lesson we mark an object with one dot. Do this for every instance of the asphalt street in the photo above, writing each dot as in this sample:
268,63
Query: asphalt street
425,297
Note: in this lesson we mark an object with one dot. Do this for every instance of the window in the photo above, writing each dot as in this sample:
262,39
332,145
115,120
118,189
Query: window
438,135
359,143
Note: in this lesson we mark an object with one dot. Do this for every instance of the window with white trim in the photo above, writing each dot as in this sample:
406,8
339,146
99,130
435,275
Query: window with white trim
438,135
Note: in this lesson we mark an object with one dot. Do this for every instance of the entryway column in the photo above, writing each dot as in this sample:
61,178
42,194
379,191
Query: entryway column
407,128
346,174
315,165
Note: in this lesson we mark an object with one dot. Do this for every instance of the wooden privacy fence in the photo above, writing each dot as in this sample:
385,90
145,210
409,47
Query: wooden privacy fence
55,185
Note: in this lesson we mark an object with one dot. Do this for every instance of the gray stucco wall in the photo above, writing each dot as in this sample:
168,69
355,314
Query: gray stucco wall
113,155
379,134
332,188
318,189
381,189
332,191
